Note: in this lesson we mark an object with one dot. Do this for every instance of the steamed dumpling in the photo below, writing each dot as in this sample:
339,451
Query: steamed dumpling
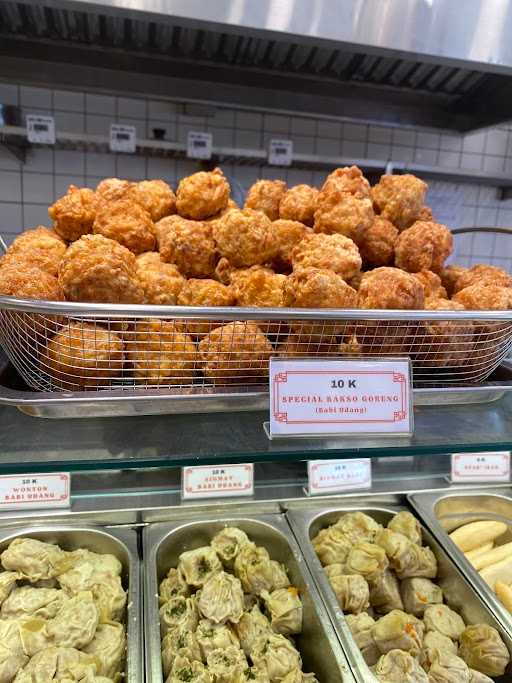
361,626
352,592
285,609
366,559
418,594
173,585
186,671
448,668
357,527
433,642
35,559
251,626
38,602
298,676
443,619
385,593
197,566
397,666
276,655
332,546
179,612
406,523
180,643
279,575
57,664
398,631
482,648
212,637
225,663
12,654
7,583
222,598
108,646
228,543
254,569
76,622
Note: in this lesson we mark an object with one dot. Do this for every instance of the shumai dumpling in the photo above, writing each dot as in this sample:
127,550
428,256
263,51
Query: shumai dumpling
443,619
398,630
276,655
406,523
298,676
179,612
385,593
482,648
75,623
173,585
228,543
352,592
479,677
7,583
361,626
332,546
432,643
254,569
224,663
180,642
366,559
222,598
358,526
108,646
399,667
12,654
198,565
38,602
251,626
448,668
285,609
418,594
35,559
279,575
252,675
186,671
405,557
212,637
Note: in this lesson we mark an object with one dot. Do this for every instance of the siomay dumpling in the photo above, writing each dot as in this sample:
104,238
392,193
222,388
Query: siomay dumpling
251,626
279,575
254,569
398,631
482,648
179,612
432,643
332,546
406,523
182,643
448,668
361,626
397,666
358,526
405,557
108,646
251,675
276,655
212,637
198,565
285,609
173,585
228,543
366,559
226,663
222,598
385,593
443,619
186,671
418,594
38,602
352,592
298,676
75,624
35,559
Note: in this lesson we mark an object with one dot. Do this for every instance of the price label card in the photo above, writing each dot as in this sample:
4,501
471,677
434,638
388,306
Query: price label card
26,491
123,138
199,145
332,476
41,129
217,481
480,467
318,397
280,152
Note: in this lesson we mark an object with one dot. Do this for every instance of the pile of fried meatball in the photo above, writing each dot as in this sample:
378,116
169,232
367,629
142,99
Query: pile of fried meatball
345,246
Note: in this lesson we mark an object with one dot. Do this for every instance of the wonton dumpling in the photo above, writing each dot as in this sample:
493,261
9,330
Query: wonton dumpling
420,593
398,631
406,523
179,612
433,642
173,585
360,626
285,609
298,676
222,599
399,667
478,677
385,593
228,543
103,563
34,635
38,602
184,670
251,626
352,592
366,559
57,664
332,546
225,663
422,563
76,622
254,569
180,642
12,655
108,646
405,557
279,576
212,637
198,565
333,570
448,668
35,559
358,526
482,648
7,583
110,598
443,619
276,655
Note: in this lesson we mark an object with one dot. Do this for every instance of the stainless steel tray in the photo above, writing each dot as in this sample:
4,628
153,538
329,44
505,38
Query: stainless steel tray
122,543
459,593
164,542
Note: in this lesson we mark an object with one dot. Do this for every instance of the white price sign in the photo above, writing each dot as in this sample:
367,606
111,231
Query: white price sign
280,152
41,129
123,138
26,491
217,481
199,145
333,476
313,397
480,467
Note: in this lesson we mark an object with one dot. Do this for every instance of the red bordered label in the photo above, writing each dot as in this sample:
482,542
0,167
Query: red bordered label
333,476
480,467
218,481
25,491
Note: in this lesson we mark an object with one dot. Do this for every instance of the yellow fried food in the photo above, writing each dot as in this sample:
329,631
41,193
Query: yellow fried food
187,244
431,283
380,338
444,343
483,274
348,179
202,194
161,282
485,298
449,277
112,189
423,246
266,195
155,196
298,345
258,286
126,222
318,288
161,353
425,214
208,293
82,356
97,269
245,237
73,214
298,204
287,235
331,252
343,213
377,243
28,282
236,352
390,288
39,248
399,198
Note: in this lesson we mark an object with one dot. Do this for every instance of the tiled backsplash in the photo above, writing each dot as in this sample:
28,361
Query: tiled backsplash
27,189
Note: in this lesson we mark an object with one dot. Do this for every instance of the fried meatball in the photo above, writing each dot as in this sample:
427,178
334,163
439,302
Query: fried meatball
96,269
73,214
330,252
423,246
39,248
348,179
161,353
245,238
484,298
425,214
449,277
266,195
187,244
483,274
355,281
112,189
161,282
128,223
83,356
204,292
28,282
303,345
445,343
298,204
379,338
343,213
390,288
257,286
287,234
155,196
202,194
431,283
377,244
399,199
236,352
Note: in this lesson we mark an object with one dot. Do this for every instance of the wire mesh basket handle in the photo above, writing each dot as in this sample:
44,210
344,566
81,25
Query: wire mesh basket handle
464,231
3,245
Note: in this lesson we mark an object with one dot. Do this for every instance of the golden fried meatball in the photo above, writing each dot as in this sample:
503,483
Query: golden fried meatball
112,189
444,343
287,234
73,214
298,204
39,248
483,274
380,338
28,282
126,222
355,281
96,269
318,288
161,282
258,286
266,195
202,194
431,283
390,288
423,246
304,345
342,213
82,356
155,196
208,293
161,353
330,252
348,179
236,352
377,243
245,238
399,199
484,298
187,244
425,214
449,277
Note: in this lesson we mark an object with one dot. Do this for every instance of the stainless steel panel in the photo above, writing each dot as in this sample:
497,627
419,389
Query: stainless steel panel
163,543
459,593
122,543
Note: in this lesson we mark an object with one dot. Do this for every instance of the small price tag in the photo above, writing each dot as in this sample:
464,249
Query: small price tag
217,481
332,476
25,491
41,129
480,467
318,397
199,145
123,138
280,152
